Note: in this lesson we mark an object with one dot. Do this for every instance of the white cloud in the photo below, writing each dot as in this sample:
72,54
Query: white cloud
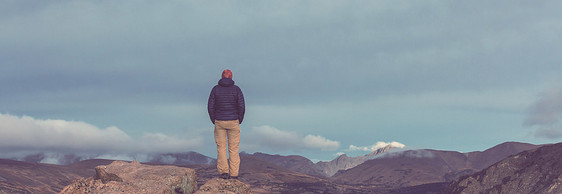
26,134
316,141
276,139
376,146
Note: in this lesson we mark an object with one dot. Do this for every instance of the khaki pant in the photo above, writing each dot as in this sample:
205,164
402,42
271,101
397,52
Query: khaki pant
227,130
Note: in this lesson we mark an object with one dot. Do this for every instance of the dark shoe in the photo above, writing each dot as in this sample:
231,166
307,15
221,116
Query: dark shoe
225,176
234,177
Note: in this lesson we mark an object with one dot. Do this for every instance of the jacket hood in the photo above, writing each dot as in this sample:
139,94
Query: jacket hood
226,82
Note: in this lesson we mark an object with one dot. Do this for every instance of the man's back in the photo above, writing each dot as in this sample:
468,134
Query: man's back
226,102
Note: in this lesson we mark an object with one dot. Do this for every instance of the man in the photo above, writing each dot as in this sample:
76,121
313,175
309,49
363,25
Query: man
226,109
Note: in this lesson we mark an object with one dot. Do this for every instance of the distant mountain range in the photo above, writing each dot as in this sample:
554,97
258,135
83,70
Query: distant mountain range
292,162
344,162
411,171
321,169
416,167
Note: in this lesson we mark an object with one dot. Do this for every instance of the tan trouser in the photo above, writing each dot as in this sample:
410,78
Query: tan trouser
230,129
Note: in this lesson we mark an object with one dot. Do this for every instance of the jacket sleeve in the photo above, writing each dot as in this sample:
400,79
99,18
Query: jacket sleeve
211,105
241,106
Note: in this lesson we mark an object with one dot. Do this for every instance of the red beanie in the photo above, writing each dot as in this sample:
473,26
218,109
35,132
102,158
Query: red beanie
227,74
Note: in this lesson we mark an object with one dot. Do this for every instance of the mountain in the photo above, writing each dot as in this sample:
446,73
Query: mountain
320,169
399,170
417,167
344,162
481,160
292,162
533,171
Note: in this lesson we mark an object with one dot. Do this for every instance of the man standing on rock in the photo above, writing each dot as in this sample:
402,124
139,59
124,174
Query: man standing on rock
226,108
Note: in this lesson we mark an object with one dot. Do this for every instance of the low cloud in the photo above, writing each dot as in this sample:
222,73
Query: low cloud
549,133
319,142
339,153
545,114
279,140
409,154
158,142
27,135
376,146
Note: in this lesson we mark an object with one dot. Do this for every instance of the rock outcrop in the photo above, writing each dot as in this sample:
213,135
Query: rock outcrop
133,177
218,185
533,171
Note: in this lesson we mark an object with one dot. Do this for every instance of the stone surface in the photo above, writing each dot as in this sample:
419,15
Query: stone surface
230,186
132,177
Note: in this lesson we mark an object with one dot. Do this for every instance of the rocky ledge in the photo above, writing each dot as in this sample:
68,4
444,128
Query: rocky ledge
133,177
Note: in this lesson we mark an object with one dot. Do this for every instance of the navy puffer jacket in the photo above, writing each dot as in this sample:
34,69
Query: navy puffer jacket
226,102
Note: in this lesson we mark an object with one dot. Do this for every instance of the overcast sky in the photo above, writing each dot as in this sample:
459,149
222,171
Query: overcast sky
319,77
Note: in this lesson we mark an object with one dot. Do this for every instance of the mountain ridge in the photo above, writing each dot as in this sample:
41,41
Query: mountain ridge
344,162
533,171
323,168
417,167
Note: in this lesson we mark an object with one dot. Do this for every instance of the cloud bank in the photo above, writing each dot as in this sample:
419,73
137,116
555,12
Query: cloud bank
279,140
27,134
545,114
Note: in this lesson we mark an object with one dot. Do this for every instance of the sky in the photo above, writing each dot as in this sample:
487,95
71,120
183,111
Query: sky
320,78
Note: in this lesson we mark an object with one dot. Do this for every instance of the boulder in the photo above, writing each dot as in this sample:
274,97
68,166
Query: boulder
219,185
133,177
